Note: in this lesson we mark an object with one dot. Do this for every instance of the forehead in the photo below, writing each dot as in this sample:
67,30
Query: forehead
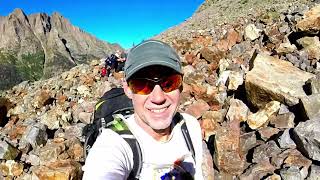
154,72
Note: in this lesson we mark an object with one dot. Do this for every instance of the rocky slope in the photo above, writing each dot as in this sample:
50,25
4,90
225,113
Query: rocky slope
41,46
253,84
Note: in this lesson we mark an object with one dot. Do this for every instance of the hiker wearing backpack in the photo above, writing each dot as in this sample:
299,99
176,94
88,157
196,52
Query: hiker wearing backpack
155,142
121,60
111,63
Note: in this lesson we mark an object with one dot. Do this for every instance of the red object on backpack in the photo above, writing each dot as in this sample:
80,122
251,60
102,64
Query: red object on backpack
103,71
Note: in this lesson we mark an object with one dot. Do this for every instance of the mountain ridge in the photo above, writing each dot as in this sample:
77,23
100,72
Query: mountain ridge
41,46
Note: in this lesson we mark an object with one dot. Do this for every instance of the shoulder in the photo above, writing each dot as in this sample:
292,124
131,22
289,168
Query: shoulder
193,127
190,120
109,156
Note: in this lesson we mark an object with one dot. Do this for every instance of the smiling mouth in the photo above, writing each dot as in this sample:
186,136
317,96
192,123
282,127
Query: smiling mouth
158,110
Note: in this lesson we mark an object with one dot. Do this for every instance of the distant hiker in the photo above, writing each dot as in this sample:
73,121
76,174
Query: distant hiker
170,142
111,63
121,60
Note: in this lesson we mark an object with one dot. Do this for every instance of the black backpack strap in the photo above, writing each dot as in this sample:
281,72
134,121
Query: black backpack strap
136,151
187,138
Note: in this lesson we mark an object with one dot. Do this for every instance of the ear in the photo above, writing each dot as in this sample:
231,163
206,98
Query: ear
126,89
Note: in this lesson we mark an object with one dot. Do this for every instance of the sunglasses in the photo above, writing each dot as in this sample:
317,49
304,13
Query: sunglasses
144,86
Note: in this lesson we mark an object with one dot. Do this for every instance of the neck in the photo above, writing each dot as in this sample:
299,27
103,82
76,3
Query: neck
157,134
161,135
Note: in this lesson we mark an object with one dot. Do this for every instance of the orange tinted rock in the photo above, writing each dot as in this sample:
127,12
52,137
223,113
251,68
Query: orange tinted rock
198,108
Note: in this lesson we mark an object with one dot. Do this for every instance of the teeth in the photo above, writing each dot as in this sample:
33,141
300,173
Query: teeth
158,110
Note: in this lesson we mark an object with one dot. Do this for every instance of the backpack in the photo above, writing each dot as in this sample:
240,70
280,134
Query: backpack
112,107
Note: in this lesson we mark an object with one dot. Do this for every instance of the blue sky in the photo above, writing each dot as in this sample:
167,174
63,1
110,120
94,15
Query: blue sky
121,21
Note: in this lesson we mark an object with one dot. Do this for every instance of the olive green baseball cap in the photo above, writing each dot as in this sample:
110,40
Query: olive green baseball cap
150,53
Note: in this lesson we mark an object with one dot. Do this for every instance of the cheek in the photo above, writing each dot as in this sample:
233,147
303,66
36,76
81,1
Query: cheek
175,96
138,101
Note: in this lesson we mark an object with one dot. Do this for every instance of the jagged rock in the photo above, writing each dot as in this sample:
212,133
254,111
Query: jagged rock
307,135
223,66
237,111
212,54
11,168
315,84
295,158
258,171
283,120
274,79
75,149
274,177
310,21
274,35
292,173
198,108
311,105
314,173
51,118
210,122
32,159
283,109
223,77
85,117
248,141
193,77
286,48
228,152
84,91
42,98
235,80
35,135
252,32
26,176
265,151
263,116
7,151
267,132
207,165
285,142
51,152
60,169
73,131
311,45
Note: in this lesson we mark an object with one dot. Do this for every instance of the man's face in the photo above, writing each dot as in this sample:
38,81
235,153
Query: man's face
157,109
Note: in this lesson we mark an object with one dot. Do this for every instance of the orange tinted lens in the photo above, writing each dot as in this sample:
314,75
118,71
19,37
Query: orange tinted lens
171,83
140,86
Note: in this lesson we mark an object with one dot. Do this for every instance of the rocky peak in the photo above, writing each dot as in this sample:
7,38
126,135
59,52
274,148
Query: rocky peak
18,13
40,23
41,46
60,22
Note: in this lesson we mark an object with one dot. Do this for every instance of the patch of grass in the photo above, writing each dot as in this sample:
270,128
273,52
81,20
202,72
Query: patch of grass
7,58
30,67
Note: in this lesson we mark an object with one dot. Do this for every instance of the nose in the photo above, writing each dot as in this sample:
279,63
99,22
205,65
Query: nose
157,96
